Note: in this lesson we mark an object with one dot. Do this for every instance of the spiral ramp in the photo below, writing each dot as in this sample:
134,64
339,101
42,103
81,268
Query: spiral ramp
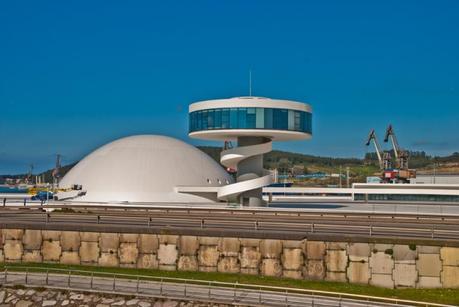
245,182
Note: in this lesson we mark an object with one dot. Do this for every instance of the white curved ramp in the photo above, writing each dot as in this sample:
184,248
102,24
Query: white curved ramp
245,182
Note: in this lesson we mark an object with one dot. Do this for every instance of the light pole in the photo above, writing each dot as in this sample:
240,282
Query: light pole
347,176
340,179
435,173
47,193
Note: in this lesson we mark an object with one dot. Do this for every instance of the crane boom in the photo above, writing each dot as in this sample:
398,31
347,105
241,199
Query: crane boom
390,134
379,151
400,155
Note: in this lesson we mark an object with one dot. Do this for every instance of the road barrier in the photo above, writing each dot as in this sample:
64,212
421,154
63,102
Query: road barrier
188,289
298,223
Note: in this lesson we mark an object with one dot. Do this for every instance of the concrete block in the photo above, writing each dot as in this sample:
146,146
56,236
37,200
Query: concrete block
250,242
189,245
166,267
70,241
147,261
294,244
292,259
336,276
32,239
89,236
429,265
271,248
292,274
128,253
12,234
51,250
336,260
315,250
229,247
271,267
450,256
429,282
51,235
168,239
109,259
148,244
32,256
337,245
405,275
382,280
381,263
315,270
70,258
187,263
167,254
89,251
207,268
422,249
403,254
229,265
250,271
250,257
208,256
358,251
358,272
208,240
13,250
109,242
129,238
382,247
450,277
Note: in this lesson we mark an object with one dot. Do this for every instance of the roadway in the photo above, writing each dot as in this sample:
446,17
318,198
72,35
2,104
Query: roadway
184,290
239,222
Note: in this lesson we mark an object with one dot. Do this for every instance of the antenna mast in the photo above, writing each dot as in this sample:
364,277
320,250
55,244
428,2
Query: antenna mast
250,82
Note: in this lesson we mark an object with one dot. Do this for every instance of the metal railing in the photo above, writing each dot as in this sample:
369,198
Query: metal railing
188,289
168,208
302,224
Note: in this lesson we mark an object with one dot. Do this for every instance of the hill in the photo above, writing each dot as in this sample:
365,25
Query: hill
297,163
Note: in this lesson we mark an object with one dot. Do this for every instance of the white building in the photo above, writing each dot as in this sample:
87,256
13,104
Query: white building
254,122
146,168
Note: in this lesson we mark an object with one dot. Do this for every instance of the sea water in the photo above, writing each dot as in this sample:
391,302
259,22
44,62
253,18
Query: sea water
5,189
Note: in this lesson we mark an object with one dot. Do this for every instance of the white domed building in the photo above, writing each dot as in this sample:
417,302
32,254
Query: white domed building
147,168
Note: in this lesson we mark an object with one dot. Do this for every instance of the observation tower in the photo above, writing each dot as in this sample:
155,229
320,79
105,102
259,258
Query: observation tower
254,122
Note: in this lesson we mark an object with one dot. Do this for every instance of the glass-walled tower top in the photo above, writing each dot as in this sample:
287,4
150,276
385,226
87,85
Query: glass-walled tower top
224,119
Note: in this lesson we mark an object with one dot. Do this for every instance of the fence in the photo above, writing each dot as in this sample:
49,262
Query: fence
188,289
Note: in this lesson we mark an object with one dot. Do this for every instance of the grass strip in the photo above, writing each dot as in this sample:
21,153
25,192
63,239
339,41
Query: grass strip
441,296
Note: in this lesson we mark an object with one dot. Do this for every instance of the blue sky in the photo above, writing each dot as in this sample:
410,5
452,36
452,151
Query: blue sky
77,74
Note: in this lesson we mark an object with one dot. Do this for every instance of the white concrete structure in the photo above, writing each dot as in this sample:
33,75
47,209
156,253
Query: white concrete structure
146,168
254,122
435,179
401,193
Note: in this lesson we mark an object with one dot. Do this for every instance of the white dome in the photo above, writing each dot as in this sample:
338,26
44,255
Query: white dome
144,168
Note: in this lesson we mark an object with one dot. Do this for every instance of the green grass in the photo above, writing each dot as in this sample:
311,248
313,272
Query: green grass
442,296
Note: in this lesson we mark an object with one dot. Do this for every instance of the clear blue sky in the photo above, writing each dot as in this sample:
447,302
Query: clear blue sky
77,74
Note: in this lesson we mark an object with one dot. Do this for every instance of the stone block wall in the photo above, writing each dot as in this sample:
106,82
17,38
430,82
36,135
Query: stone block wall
383,265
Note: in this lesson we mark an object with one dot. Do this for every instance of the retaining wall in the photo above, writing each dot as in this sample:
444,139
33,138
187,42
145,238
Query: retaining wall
384,265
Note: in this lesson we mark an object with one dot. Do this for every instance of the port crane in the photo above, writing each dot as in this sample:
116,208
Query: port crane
384,157
56,171
401,157
28,178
